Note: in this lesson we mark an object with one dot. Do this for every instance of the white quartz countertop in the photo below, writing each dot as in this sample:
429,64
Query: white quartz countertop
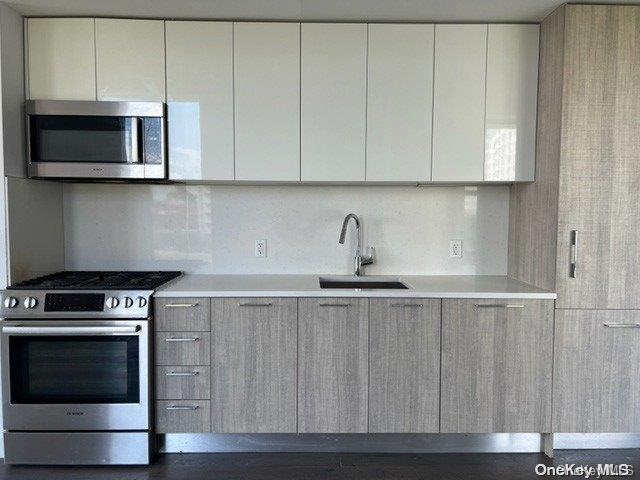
420,286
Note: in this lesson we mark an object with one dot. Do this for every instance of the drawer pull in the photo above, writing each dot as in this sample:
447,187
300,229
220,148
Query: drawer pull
622,325
498,305
407,305
340,305
181,305
183,407
250,304
181,374
573,253
190,339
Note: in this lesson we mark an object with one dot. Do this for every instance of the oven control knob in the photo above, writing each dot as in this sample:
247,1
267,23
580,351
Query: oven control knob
30,302
128,302
11,302
142,302
112,302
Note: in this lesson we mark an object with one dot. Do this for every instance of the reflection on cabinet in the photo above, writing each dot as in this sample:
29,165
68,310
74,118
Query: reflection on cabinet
597,371
267,101
200,100
333,90
130,60
332,365
399,102
404,358
254,365
511,99
61,58
459,102
496,366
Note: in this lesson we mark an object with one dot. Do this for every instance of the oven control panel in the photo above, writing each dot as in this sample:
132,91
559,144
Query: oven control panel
75,304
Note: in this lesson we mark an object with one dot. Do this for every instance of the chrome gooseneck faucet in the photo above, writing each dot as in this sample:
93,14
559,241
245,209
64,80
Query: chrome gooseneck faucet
359,260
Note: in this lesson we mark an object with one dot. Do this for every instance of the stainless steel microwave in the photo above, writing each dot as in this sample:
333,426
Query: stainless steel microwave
96,140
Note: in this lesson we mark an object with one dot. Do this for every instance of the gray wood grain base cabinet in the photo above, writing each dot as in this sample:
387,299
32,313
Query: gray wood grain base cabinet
404,363
253,365
597,371
496,366
333,365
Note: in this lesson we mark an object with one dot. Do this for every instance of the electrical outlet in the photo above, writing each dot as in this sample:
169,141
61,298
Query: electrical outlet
455,248
261,248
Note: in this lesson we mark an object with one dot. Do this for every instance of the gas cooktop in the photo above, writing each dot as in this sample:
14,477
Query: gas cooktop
105,280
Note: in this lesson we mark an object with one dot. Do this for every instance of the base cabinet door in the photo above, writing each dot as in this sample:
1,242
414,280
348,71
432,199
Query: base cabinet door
404,362
332,365
496,365
597,371
253,365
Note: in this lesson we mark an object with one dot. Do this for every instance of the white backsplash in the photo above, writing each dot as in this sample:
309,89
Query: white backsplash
212,229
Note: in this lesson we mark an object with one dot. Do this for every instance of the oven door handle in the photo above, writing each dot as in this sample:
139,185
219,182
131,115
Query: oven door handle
19,330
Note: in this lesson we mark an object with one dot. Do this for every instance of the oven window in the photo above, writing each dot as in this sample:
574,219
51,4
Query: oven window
59,138
74,369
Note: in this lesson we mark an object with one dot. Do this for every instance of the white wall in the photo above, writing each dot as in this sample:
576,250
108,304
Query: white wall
212,229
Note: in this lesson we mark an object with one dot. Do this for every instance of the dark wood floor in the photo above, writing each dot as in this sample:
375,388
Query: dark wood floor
312,466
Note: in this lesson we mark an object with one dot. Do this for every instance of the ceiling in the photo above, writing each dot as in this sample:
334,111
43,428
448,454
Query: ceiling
346,10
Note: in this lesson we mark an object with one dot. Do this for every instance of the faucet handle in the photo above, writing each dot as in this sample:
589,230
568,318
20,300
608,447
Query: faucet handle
369,256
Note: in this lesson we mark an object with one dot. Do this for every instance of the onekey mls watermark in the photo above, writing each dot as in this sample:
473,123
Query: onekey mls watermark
585,471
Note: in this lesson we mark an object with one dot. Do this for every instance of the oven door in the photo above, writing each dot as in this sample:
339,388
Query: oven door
108,140
75,375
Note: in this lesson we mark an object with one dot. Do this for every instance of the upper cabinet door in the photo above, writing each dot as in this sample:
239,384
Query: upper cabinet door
130,60
334,85
399,102
267,101
459,103
512,95
61,59
200,100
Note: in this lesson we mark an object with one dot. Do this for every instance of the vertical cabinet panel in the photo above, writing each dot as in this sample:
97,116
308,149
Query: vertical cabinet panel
200,100
399,102
496,366
459,103
597,371
254,365
130,60
332,365
404,357
334,69
267,101
61,60
512,86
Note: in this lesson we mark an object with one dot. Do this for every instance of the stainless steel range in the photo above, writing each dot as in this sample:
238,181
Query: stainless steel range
75,368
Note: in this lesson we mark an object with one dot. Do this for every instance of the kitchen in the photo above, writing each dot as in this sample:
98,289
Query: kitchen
335,235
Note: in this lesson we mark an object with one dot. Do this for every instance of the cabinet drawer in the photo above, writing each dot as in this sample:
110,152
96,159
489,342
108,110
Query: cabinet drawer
182,314
183,416
183,348
179,382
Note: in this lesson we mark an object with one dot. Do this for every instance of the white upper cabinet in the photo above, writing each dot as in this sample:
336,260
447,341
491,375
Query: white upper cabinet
459,103
512,87
399,103
200,100
267,101
130,60
61,59
334,85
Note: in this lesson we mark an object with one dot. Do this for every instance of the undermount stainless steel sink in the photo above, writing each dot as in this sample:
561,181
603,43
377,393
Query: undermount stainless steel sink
363,283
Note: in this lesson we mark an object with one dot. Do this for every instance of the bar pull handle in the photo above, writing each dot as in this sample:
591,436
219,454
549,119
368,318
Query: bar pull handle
338,305
255,304
573,253
407,305
183,407
498,305
181,305
190,339
622,325
181,374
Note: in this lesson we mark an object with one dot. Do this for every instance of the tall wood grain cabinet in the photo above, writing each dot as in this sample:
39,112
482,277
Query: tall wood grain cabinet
575,229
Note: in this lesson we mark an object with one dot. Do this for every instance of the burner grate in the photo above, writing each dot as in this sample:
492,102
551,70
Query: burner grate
109,280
